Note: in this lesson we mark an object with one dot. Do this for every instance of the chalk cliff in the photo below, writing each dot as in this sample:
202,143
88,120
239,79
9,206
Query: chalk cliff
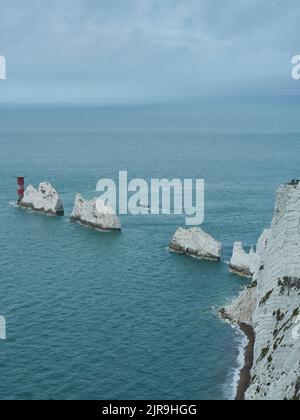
96,214
271,304
45,199
196,243
242,263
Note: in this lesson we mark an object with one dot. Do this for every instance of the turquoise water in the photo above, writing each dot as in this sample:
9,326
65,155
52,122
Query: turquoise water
100,316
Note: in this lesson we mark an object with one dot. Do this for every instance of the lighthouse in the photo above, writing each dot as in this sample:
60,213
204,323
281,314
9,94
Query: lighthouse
21,187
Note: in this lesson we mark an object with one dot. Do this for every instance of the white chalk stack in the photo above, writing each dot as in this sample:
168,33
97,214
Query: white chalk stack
242,263
96,214
45,199
196,243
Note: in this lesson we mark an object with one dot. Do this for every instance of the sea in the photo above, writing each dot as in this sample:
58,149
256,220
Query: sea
93,315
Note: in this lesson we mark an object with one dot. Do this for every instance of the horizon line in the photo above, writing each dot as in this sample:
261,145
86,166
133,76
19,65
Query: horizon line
115,99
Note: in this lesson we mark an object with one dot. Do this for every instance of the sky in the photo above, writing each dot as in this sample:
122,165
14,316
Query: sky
91,49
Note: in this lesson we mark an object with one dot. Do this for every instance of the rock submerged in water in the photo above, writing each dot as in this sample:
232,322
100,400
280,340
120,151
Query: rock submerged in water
45,199
96,214
196,243
242,263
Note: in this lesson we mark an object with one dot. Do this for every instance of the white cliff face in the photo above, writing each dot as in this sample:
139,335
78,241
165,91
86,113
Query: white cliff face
45,199
96,214
241,262
196,243
271,305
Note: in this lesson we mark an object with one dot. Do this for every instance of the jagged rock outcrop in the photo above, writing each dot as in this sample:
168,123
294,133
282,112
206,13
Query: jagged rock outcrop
271,305
45,199
242,263
96,214
196,243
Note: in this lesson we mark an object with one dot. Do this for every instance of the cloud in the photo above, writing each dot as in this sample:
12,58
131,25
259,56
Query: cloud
100,48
